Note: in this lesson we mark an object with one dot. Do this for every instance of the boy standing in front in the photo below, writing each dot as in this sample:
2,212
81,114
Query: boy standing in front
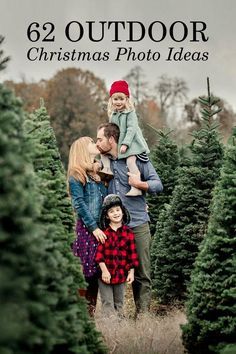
117,257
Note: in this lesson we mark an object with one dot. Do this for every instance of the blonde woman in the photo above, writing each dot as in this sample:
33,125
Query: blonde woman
87,192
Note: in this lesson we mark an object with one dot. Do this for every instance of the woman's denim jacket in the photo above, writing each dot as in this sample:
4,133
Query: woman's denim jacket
87,200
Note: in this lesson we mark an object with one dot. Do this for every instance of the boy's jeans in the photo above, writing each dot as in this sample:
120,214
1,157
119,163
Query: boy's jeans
112,297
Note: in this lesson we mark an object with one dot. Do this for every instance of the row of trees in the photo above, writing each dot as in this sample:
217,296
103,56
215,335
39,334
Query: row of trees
76,99
40,310
185,220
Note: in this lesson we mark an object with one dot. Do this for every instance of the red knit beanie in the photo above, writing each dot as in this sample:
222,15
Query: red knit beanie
119,86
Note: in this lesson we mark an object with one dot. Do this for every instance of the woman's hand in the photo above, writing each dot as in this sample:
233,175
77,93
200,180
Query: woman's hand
123,149
99,234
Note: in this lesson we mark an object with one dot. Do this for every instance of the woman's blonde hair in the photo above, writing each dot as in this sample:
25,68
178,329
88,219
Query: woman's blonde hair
129,105
79,163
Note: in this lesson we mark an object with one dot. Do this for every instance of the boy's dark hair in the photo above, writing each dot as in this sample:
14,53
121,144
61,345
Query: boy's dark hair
110,130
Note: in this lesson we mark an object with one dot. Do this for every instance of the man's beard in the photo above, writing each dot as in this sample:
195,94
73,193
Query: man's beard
104,152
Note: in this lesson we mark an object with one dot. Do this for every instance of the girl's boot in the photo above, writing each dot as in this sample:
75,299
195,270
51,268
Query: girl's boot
133,192
106,167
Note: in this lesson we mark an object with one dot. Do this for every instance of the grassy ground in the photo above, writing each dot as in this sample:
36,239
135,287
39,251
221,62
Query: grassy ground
156,332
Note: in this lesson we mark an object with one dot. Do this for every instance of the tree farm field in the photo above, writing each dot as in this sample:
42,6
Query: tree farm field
156,332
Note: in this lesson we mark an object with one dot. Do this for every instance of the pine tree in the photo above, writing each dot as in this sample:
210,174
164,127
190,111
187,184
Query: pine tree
73,332
211,305
182,227
21,237
3,60
39,313
165,159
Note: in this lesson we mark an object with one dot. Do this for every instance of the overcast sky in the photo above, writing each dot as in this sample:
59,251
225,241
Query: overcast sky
219,15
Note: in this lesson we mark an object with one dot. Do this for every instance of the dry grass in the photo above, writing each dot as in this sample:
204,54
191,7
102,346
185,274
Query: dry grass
157,332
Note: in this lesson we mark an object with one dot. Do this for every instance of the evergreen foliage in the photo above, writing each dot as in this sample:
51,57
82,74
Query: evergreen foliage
73,331
185,155
165,159
228,349
3,60
20,237
183,224
212,299
39,308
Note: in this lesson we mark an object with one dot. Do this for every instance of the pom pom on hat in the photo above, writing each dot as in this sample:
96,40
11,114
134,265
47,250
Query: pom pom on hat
119,86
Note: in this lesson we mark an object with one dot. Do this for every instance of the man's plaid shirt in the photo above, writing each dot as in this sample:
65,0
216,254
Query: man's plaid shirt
118,253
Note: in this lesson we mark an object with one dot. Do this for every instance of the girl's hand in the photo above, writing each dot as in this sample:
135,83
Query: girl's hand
106,276
99,234
123,149
130,277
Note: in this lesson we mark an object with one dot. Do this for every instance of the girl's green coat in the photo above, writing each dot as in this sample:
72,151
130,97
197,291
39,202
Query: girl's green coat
130,133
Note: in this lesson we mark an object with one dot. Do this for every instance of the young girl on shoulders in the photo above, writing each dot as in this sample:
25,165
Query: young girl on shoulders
131,144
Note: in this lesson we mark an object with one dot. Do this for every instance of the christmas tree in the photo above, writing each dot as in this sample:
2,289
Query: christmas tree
21,237
40,311
165,159
184,222
211,306
73,330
